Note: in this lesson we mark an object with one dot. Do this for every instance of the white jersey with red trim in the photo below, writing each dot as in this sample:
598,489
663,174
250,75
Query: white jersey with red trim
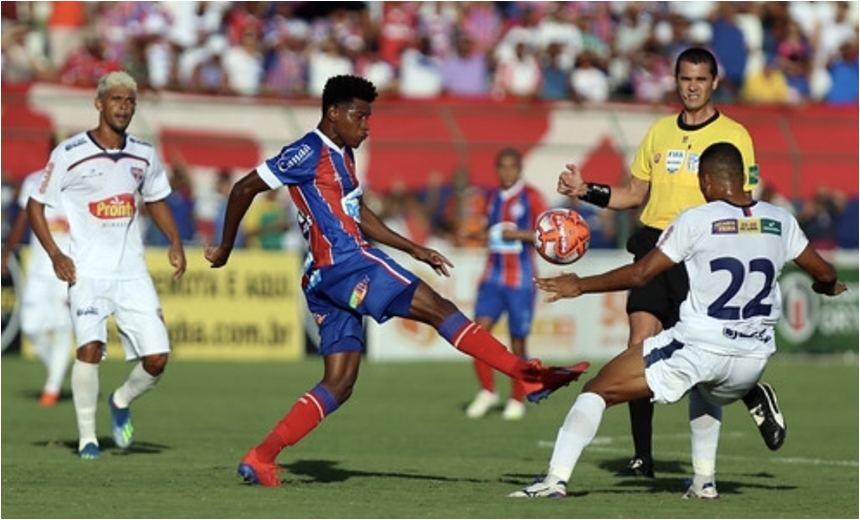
734,256
39,263
100,192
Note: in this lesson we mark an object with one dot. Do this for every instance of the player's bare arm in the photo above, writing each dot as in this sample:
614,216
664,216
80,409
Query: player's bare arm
637,274
821,271
631,194
64,267
241,196
163,218
376,230
16,233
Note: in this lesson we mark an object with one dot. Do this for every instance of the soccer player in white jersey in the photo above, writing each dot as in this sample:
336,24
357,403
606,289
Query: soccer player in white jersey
45,318
98,177
734,249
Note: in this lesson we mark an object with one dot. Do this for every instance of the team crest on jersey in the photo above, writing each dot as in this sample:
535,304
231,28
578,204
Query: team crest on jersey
674,160
727,226
137,173
118,206
517,210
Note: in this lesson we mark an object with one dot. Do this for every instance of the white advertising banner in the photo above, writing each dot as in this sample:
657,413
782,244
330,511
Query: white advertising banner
592,327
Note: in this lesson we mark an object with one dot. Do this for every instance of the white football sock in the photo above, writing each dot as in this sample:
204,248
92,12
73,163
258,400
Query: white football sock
85,393
705,422
41,343
138,383
579,428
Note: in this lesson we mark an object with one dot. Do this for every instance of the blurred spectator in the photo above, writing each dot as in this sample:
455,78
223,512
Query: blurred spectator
209,75
372,67
436,199
86,65
403,212
588,82
324,62
519,76
420,71
819,218
652,78
65,29
266,222
223,185
555,83
287,71
464,73
160,52
556,27
181,202
769,194
632,32
437,21
20,63
481,24
397,30
730,48
844,71
767,86
244,64
832,33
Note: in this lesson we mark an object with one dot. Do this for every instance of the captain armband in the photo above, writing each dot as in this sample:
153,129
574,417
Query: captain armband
597,194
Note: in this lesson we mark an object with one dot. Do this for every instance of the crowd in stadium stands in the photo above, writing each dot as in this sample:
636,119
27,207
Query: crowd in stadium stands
786,53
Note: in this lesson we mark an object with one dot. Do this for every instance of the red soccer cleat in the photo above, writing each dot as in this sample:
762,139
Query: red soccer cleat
259,473
553,378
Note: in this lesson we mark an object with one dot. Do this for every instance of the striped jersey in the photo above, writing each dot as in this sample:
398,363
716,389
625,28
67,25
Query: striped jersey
100,191
323,185
734,256
668,159
511,263
39,262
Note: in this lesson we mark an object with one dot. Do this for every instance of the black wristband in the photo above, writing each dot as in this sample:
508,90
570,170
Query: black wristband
597,194
825,288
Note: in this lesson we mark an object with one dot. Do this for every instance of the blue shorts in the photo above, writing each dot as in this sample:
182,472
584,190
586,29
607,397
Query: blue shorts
518,302
340,295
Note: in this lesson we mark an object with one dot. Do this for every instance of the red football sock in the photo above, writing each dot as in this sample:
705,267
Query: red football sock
485,375
475,341
303,417
518,391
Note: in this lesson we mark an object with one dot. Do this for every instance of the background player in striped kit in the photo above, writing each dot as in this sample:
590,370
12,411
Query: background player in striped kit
506,284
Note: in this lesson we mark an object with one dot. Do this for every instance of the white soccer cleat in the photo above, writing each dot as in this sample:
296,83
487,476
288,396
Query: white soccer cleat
540,489
482,404
514,410
708,491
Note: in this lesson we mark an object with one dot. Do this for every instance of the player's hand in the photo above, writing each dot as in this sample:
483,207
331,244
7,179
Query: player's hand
570,182
64,268
561,286
434,259
176,256
217,256
836,289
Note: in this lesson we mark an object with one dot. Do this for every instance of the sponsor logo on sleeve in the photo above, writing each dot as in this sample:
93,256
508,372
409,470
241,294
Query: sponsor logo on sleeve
752,175
727,226
771,227
292,157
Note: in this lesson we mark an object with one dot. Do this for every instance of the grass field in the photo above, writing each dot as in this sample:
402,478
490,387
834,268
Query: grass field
402,448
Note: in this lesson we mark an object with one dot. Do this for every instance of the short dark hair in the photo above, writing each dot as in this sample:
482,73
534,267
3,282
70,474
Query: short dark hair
697,55
346,88
724,161
509,152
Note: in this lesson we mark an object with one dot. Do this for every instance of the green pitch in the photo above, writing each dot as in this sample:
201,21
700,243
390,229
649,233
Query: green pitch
402,448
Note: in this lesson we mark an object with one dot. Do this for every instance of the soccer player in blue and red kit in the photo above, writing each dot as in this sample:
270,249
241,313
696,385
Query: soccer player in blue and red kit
345,278
506,284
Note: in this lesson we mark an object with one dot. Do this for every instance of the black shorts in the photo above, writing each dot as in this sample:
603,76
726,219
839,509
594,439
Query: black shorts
662,296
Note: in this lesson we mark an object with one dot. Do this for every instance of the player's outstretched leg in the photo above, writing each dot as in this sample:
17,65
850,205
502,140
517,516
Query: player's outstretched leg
764,410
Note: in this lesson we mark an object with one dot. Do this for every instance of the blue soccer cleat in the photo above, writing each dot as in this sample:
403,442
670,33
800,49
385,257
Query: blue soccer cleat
90,452
123,431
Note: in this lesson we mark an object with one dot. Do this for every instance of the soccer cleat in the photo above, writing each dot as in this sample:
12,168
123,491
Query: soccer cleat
123,431
49,399
258,473
637,468
514,410
540,489
482,403
90,452
552,379
764,409
707,492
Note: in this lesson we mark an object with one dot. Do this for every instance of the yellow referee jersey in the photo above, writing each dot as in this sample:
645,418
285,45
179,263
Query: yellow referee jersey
668,159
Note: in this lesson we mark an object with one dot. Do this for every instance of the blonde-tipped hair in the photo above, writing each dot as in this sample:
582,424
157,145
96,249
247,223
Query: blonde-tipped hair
117,78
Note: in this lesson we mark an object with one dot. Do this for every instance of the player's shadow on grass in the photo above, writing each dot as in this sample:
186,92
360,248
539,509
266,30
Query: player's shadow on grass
325,471
107,446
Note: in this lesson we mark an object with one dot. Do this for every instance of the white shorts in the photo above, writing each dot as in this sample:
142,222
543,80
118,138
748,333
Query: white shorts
135,307
672,368
45,305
